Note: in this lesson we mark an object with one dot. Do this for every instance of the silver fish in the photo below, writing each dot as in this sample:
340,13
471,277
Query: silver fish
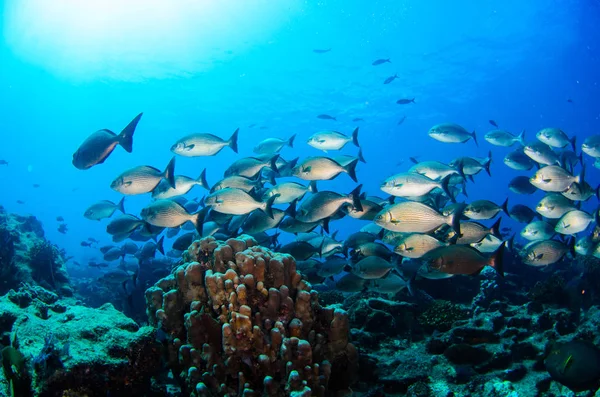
250,166
573,222
274,145
537,230
591,146
143,179
553,178
237,202
326,203
289,191
238,182
544,252
332,140
371,267
555,137
414,217
451,133
504,138
554,206
123,224
518,160
204,144
541,153
413,184
482,209
416,245
183,185
432,169
323,169
104,209
168,213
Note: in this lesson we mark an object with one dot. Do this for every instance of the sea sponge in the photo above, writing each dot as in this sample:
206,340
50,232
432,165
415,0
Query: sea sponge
242,321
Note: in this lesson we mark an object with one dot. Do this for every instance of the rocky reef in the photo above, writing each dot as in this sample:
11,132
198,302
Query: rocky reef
27,257
496,346
240,320
55,347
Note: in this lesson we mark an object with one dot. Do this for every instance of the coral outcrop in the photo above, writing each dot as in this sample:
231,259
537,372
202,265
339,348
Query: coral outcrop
241,321
74,350
27,257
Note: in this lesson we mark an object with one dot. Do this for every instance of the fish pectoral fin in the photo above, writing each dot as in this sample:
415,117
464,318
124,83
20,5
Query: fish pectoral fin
537,256
189,147
409,249
394,221
127,183
546,180
321,140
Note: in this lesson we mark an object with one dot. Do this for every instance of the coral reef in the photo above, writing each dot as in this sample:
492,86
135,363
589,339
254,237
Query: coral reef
75,350
241,321
27,257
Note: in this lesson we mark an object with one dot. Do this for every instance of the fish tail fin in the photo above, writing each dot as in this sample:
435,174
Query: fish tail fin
325,224
581,178
598,195
202,180
497,259
573,142
414,160
453,220
474,135
495,229
273,163
413,100
126,136
121,205
169,173
360,156
233,141
391,199
271,179
504,207
510,243
351,169
521,138
160,245
355,196
488,163
355,137
269,206
312,187
444,186
290,141
291,210
198,221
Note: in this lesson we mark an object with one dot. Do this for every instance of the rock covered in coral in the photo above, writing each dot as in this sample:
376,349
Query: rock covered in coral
27,257
76,350
242,321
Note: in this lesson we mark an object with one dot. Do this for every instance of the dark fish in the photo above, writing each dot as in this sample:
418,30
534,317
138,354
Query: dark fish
60,219
462,259
184,241
381,61
326,117
20,202
63,228
300,250
570,100
521,185
405,101
575,364
356,119
402,120
123,224
36,185
85,244
321,51
98,146
3,162
492,122
130,248
149,250
390,79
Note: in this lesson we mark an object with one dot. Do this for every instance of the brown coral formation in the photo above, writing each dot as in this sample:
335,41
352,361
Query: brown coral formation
242,321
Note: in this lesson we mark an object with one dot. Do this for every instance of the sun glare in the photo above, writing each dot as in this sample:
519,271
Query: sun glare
122,39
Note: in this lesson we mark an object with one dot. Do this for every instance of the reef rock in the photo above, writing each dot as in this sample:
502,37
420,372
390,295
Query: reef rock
73,350
241,321
27,257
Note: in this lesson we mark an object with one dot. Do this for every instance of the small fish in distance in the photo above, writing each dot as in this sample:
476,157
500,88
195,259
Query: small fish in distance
321,51
390,79
98,146
402,120
405,101
3,162
326,117
493,122
381,62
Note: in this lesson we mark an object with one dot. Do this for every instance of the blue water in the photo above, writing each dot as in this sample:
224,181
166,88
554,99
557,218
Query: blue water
216,66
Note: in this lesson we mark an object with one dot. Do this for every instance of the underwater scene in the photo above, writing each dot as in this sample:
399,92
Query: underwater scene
300,198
